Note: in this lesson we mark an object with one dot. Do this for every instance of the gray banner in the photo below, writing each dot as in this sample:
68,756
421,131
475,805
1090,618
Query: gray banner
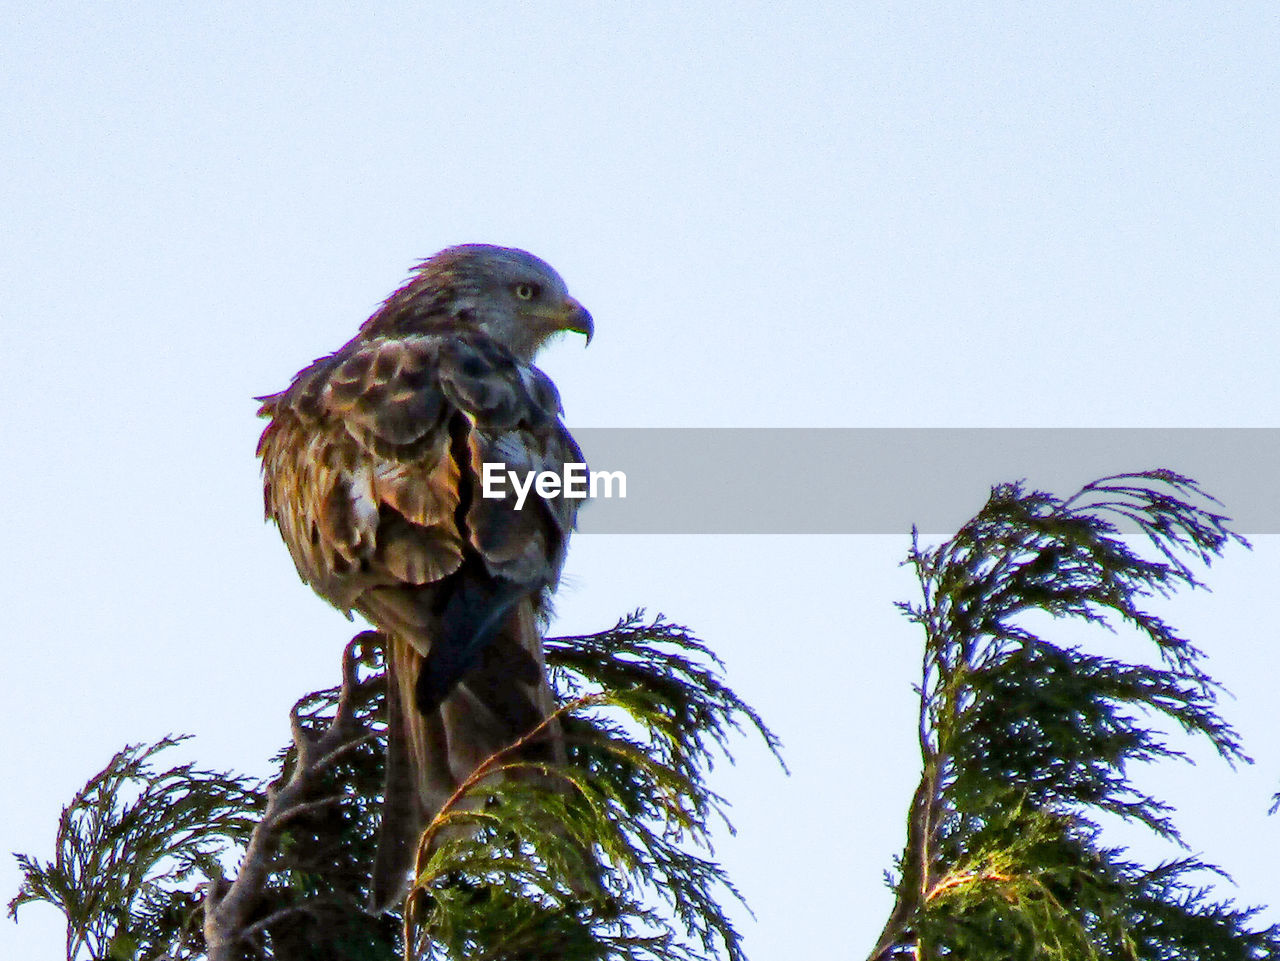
883,480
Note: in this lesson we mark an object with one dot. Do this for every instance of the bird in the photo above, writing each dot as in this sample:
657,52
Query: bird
372,464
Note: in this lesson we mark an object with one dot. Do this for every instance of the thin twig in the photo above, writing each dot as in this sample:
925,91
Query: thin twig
306,807
956,880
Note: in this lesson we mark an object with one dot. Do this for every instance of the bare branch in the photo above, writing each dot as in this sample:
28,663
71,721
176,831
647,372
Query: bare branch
229,906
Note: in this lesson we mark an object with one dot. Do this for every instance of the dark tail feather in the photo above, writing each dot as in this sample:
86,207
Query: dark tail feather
477,608
418,779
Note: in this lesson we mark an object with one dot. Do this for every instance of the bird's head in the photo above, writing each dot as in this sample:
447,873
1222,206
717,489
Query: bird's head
509,294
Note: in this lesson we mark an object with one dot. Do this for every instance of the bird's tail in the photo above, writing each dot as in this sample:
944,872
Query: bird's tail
429,754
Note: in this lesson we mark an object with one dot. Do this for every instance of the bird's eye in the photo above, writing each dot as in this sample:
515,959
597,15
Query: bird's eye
526,291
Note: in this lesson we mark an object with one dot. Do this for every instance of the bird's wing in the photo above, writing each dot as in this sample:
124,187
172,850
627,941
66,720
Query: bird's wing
373,462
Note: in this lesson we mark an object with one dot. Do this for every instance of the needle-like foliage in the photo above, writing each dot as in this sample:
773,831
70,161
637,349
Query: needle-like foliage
127,846
1025,742
606,856
577,861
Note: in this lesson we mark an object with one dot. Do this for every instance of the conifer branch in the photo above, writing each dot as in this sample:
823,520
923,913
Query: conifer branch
1023,741
566,861
230,907
126,844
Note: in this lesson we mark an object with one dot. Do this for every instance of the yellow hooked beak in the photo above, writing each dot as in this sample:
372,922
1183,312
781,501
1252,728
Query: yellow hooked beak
574,317
551,318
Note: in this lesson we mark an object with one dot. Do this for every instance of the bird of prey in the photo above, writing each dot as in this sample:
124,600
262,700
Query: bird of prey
372,469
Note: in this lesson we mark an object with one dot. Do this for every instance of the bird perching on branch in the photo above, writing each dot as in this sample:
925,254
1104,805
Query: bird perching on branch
372,465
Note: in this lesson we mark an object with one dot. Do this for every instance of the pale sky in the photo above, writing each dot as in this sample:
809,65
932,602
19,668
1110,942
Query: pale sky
780,215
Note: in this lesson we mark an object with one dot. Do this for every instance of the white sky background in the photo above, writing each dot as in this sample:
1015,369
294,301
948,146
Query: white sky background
1010,215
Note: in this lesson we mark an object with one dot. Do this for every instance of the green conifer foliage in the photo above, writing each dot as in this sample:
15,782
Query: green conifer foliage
1025,741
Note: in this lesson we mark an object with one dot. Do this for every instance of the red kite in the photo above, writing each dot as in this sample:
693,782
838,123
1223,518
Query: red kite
372,467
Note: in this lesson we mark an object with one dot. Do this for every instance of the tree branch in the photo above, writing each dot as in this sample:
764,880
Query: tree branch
229,906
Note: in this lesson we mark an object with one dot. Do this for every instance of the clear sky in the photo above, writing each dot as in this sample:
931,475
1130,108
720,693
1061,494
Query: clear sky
783,214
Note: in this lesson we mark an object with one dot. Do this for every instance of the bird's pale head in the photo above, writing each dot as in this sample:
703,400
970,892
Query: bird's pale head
509,294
